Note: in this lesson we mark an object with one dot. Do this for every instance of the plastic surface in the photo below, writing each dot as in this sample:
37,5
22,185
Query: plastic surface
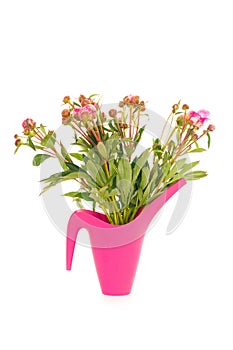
116,249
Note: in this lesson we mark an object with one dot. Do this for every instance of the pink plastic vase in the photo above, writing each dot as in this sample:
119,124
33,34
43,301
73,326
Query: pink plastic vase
116,249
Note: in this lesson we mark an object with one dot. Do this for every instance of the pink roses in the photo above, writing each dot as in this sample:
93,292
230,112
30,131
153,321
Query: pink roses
198,118
85,112
28,125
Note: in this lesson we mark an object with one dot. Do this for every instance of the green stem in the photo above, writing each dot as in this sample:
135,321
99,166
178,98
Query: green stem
164,127
130,121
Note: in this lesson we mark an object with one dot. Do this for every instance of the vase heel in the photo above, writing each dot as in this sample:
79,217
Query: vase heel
70,245
72,232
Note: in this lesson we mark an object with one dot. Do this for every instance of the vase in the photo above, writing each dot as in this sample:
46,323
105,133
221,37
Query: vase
116,248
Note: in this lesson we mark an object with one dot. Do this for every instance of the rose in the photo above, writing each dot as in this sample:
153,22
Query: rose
198,118
86,111
28,124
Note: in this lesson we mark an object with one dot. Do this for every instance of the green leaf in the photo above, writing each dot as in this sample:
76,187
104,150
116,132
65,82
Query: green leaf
79,195
76,104
179,163
56,176
42,128
124,170
114,192
17,147
209,139
31,144
145,174
138,136
96,172
65,153
49,140
139,163
195,175
93,95
40,158
112,167
72,166
199,149
123,180
111,147
85,196
77,156
71,194
187,167
102,150
59,177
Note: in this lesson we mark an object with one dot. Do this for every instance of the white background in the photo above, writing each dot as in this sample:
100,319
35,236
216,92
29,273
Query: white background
182,296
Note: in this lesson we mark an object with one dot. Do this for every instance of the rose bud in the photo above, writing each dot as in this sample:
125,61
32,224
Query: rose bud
81,97
134,100
112,113
66,99
85,102
126,99
121,104
17,142
185,107
175,107
26,131
124,125
16,136
180,120
65,113
143,107
29,124
211,127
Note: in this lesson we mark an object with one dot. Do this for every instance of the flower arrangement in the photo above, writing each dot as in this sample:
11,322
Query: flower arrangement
105,167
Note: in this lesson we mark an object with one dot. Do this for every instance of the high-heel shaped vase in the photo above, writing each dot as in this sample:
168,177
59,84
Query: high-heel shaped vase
116,249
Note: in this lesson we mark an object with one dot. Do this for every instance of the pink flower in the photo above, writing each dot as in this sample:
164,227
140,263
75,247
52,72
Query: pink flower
28,124
198,118
87,110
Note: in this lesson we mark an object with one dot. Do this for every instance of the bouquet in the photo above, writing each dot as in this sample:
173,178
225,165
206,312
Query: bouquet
104,163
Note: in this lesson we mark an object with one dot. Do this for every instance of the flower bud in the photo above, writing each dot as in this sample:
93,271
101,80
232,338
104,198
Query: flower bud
126,99
211,127
29,124
112,113
185,107
66,99
143,107
180,120
16,136
134,100
65,113
81,98
175,107
26,131
17,142
121,104
85,102
124,125
65,116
